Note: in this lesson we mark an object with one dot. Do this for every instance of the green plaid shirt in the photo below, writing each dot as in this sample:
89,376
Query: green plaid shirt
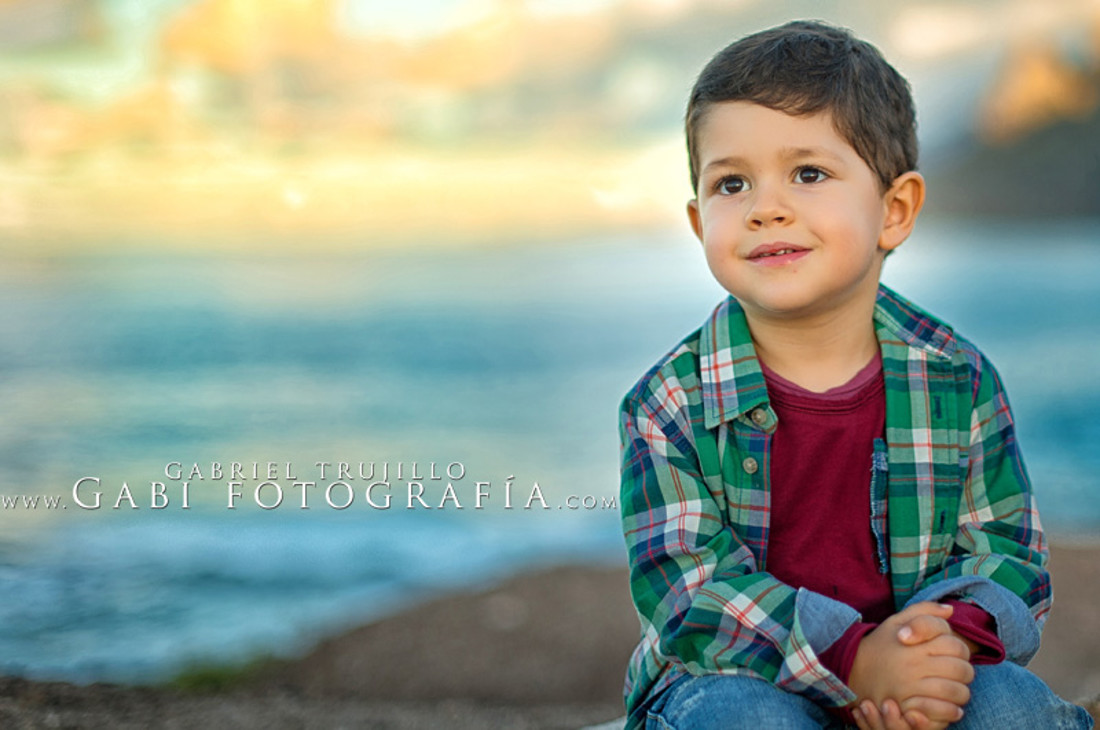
951,503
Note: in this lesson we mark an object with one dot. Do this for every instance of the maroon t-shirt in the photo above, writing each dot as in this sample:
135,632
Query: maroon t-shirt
820,534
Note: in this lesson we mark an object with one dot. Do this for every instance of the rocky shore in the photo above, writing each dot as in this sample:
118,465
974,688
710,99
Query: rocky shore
544,650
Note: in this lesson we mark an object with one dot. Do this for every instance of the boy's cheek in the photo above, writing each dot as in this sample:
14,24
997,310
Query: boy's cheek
716,224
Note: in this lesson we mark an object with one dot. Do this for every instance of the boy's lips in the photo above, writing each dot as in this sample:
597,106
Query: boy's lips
775,254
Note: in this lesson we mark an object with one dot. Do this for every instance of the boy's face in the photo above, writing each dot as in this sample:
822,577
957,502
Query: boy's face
793,222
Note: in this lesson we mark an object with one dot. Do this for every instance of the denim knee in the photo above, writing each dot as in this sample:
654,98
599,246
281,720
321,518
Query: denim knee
1007,696
724,702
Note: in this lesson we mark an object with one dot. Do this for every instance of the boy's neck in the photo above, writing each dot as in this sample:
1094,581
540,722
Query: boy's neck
817,354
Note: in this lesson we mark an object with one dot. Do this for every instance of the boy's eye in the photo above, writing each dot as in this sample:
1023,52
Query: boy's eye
810,175
731,185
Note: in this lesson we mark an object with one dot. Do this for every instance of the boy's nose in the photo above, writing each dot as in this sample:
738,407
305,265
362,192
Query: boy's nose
767,208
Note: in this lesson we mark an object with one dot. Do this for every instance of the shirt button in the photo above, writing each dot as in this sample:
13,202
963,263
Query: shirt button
759,416
750,465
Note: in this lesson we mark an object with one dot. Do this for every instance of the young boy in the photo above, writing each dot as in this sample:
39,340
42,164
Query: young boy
827,515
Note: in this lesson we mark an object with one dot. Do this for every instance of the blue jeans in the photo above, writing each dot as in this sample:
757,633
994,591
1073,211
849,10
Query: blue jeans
1003,697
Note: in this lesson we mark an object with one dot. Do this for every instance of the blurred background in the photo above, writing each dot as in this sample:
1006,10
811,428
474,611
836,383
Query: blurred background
445,231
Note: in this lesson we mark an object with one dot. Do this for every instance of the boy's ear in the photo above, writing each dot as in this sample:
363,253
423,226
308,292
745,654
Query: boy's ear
903,202
693,216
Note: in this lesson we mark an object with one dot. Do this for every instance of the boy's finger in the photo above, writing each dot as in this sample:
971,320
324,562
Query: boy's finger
861,720
945,690
935,711
949,646
925,608
870,716
948,670
920,629
918,720
892,718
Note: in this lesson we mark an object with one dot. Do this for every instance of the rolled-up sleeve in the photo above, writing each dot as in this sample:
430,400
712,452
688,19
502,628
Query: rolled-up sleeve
998,561
703,605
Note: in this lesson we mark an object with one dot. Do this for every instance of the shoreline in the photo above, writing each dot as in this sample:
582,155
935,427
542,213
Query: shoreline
541,650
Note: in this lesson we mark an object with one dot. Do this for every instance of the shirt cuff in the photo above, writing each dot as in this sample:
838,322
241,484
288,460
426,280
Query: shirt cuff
1016,628
974,623
823,619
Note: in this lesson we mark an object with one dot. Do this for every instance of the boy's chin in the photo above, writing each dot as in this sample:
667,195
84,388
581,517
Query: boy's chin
800,305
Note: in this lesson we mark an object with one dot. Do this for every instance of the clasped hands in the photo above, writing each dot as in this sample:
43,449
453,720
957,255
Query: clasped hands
912,672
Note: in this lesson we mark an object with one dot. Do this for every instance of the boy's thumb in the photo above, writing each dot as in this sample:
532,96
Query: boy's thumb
920,629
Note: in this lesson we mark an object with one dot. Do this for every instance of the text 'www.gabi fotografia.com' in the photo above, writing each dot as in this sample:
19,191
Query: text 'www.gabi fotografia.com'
334,485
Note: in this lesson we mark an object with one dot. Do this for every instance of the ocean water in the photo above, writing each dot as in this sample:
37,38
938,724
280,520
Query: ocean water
494,370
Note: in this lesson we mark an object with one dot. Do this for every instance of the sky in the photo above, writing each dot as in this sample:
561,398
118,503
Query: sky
487,79
415,19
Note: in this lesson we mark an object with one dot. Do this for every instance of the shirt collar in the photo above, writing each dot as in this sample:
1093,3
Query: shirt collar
730,375
898,317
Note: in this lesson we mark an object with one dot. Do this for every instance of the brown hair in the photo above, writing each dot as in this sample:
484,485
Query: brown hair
807,67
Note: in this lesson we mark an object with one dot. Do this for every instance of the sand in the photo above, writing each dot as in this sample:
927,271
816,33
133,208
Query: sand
544,650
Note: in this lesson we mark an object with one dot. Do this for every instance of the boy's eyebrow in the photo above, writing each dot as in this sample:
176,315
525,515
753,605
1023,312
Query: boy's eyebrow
787,154
798,153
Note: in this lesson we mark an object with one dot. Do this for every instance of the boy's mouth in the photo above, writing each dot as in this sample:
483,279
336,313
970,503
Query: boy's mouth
777,253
